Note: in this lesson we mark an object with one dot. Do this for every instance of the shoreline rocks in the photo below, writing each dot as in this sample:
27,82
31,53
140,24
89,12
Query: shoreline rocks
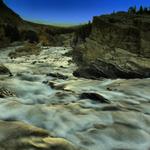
6,93
101,69
4,70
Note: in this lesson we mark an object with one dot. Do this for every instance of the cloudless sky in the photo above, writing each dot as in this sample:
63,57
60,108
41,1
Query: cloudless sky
69,11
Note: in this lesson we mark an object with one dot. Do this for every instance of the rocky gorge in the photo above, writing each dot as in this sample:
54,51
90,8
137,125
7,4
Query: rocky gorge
115,45
76,88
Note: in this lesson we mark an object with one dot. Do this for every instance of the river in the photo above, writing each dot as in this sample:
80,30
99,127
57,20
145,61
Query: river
56,104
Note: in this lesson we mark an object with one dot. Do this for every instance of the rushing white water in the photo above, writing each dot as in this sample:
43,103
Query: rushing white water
89,125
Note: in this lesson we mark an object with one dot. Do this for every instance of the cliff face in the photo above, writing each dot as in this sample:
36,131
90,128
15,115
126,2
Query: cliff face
125,31
121,40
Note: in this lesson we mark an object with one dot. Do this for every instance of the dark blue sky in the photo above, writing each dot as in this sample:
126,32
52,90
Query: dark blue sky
69,11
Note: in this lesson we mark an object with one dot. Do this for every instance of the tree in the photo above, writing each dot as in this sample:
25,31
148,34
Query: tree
141,10
146,10
31,36
89,23
132,10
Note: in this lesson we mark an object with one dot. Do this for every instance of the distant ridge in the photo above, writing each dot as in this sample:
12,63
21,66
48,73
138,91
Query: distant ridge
14,28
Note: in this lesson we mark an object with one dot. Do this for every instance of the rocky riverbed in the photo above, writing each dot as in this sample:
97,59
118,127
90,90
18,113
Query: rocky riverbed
43,106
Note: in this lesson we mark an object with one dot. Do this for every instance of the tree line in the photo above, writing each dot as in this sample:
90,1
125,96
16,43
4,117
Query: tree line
141,10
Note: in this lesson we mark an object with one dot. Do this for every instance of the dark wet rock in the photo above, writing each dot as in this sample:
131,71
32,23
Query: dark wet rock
62,67
34,62
57,86
100,126
94,96
62,94
109,89
41,62
112,108
6,93
68,54
58,75
99,69
45,82
27,77
51,84
4,70
70,61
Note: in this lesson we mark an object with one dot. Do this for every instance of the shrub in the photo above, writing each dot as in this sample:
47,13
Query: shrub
12,33
27,49
30,36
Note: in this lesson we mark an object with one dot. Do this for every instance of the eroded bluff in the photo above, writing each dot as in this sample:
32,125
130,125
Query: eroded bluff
112,46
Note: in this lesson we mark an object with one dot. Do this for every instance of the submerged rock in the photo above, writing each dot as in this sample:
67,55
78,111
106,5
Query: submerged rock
57,86
58,75
6,93
94,96
4,70
99,69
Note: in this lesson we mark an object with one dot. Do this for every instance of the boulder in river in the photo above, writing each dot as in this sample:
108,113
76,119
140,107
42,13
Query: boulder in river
6,93
94,96
57,86
58,75
4,70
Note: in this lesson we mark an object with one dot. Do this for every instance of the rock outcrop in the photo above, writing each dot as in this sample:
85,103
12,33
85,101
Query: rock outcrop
6,93
58,75
18,135
4,70
120,41
95,97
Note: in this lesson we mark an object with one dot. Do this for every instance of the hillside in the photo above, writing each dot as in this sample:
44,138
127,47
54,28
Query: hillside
7,16
14,28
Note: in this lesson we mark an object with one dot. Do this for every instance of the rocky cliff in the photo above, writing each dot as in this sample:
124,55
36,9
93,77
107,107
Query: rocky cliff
116,45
